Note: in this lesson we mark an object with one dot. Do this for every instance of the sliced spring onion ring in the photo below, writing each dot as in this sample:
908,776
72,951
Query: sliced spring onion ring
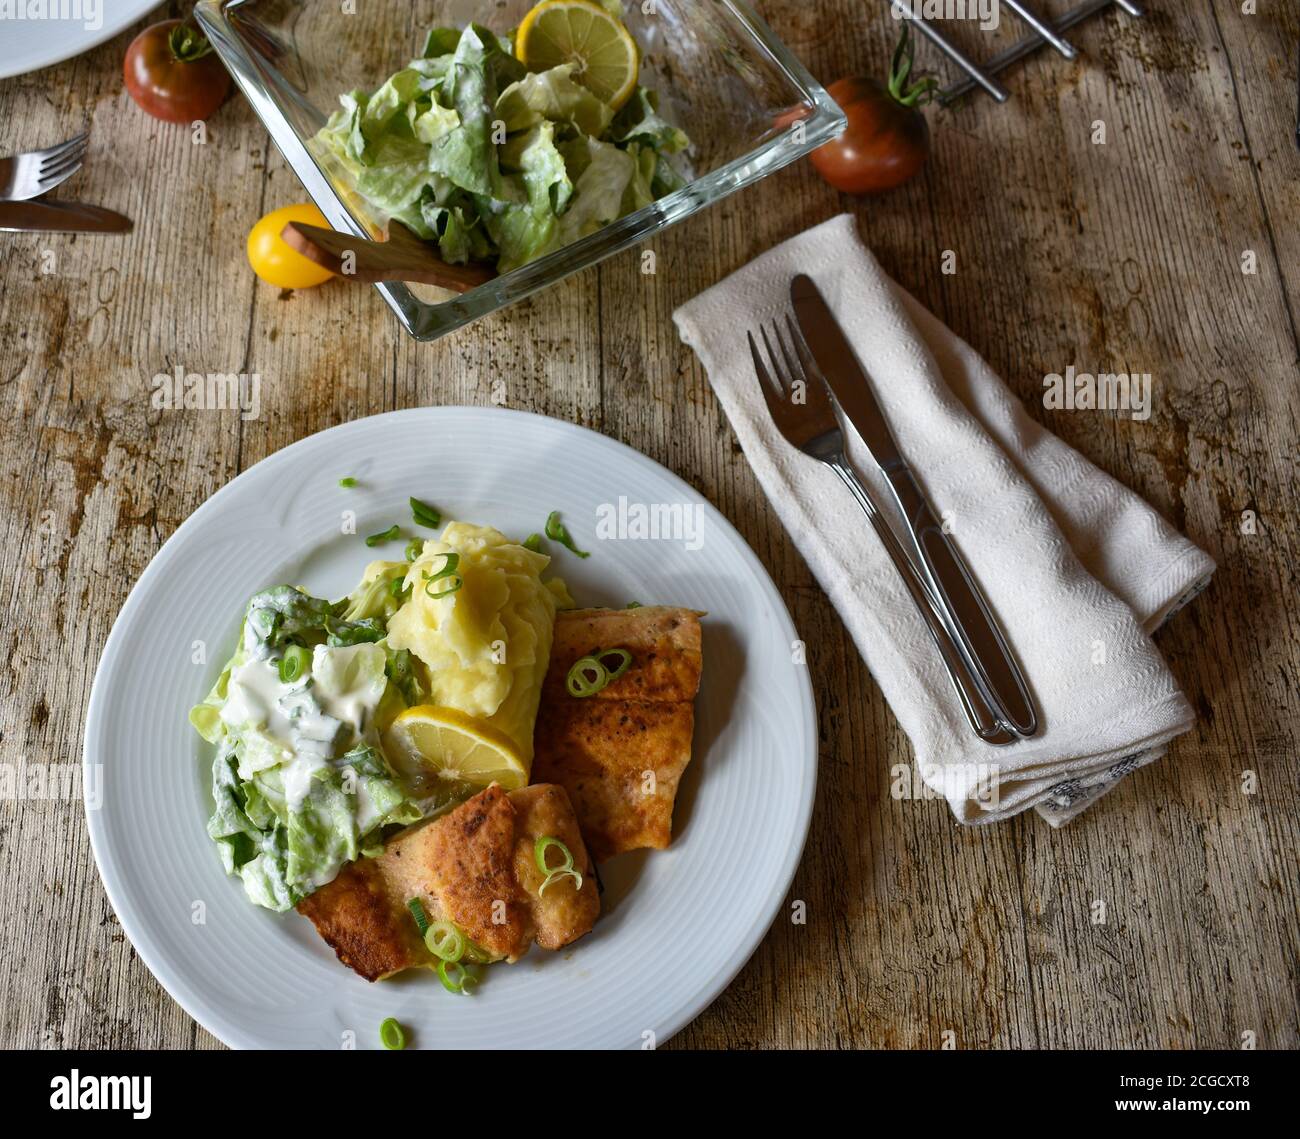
556,531
294,664
447,572
452,586
347,482
543,845
391,1035
450,564
586,677
555,875
624,662
394,531
533,542
396,587
413,548
425,515
421,918
565,869
590,674
445,941
455,977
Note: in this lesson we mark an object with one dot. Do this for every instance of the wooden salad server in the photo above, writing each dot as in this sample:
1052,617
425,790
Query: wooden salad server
403,257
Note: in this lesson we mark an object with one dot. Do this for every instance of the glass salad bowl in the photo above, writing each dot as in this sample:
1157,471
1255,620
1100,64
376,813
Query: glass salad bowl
747,104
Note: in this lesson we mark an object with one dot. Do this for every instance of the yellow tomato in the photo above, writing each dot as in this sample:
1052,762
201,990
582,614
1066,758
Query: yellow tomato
274,261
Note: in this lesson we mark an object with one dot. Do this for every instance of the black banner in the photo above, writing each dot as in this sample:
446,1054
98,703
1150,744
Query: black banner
1083,1087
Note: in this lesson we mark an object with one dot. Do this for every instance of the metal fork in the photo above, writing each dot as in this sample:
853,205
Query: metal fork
812,427
37,172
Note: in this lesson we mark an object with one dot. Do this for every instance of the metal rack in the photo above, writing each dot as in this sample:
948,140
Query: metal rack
1043,33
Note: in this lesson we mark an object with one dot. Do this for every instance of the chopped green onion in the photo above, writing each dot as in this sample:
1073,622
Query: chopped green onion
397,587
445,941
586,677
450,564
624,662
555,530
425,515
413,548
541,849
347,482
533,542
453,584
294,663
566,869
391,1035
394,531
590,674
448,572
421,918
455,977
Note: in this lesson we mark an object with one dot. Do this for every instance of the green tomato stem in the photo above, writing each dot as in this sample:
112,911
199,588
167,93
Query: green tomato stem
188,44
900,68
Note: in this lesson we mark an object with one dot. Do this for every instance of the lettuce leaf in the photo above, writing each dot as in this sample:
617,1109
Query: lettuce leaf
606,179
639,121
301,788
528,229
552,95
373,596
466,155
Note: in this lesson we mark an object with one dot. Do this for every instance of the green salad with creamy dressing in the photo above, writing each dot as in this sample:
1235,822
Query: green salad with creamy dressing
493,162
300,783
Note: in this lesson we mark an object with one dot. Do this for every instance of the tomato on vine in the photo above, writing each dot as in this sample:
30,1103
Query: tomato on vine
887,140
172,73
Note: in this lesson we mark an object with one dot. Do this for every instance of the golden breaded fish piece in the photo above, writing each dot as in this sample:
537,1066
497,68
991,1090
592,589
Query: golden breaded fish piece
562,914
621,753
466,867
470,861
363,916
665,644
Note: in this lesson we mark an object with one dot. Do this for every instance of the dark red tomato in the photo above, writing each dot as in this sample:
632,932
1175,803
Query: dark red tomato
885,143
171,72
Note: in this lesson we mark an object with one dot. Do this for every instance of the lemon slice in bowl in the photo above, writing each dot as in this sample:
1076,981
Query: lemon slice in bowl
582,33
434,745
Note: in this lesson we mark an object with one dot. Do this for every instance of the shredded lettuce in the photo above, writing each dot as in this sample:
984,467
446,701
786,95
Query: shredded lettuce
493,163
300,785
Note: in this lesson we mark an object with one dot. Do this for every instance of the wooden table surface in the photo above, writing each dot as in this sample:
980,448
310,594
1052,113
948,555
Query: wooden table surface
1122,256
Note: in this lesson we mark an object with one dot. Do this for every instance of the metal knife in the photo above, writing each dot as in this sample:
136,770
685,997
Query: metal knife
39,216
965,610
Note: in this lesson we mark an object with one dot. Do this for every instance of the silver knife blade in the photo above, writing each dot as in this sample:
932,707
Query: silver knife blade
967,612
839,364
37,216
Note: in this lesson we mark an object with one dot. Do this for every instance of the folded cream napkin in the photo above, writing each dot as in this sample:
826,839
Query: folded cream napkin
1079,570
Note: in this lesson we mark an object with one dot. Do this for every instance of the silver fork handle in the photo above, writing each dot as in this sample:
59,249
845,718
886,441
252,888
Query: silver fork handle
981,717
960,601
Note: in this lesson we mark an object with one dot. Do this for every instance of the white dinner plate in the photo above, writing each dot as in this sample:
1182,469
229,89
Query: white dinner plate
30,44
676,925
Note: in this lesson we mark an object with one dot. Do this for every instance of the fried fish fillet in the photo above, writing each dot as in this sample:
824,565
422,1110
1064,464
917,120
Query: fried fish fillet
475,867
620,753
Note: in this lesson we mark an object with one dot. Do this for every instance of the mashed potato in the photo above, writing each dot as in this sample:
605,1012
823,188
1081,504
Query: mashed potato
486,645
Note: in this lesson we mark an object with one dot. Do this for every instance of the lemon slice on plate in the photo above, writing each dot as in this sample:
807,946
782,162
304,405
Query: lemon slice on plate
434,744
582,33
